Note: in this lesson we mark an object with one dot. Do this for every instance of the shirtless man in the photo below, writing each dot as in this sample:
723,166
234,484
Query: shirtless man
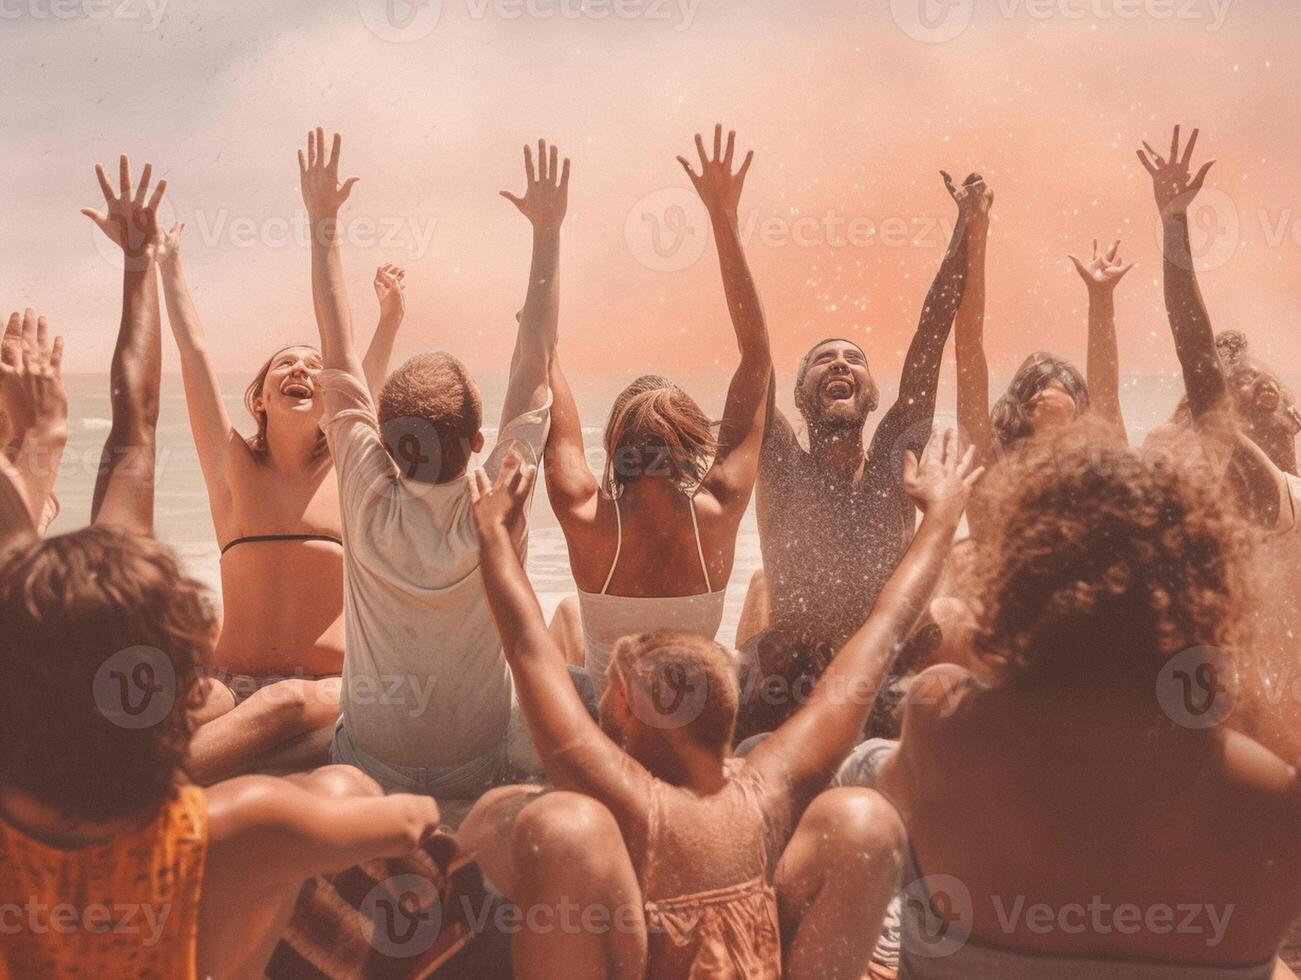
833,521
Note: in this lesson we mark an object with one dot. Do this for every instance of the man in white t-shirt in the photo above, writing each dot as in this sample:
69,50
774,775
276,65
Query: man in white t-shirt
427,703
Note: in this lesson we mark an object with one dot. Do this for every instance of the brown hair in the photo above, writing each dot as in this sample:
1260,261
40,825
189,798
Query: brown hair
83,614
676,680
655,428
433,400
1100,554
258,441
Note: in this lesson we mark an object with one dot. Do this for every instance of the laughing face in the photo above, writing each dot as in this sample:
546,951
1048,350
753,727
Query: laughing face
1051,405
289,392
836,390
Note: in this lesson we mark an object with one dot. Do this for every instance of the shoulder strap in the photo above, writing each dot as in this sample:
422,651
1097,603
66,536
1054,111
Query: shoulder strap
618,547
695,526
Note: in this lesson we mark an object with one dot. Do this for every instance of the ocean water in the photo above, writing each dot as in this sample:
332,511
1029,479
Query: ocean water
184,522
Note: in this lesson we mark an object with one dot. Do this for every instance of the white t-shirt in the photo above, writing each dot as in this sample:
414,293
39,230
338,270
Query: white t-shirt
425,682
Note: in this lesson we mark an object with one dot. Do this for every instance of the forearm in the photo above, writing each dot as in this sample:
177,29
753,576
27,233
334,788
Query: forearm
187,328
539,324
136,370
743,302
1189,322
514,605
37,463
330,298
568,477
1104,358
969,347
380,352
921,372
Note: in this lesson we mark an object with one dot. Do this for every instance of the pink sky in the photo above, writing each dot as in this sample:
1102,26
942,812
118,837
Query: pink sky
849,116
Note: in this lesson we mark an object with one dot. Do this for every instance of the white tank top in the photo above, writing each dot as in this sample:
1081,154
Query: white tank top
608,618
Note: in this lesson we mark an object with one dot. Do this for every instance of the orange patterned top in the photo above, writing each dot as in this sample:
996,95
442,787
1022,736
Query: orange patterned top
127,907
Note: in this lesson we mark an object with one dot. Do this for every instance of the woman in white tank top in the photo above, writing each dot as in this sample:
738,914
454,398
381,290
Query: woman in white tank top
651,544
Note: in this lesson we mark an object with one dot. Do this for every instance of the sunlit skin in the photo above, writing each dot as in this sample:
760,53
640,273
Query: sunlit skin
1051,405
838,389
288,489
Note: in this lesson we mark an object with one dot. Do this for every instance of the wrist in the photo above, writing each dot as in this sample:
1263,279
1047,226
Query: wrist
52,432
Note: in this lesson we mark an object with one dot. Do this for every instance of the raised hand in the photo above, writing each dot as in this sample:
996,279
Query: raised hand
1104,271
546,191
716,184
501,506
33,379
130,221
1172,185
390,290
167,244
974,198
323,195
942,476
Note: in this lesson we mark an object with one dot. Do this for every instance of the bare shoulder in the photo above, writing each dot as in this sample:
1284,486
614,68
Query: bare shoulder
936,694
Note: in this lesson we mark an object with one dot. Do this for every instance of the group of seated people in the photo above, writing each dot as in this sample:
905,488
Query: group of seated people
1063,746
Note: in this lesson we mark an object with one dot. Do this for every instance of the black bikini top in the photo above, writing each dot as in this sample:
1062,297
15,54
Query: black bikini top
255,538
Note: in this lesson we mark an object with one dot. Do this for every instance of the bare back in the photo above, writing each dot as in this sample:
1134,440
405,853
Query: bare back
1074,804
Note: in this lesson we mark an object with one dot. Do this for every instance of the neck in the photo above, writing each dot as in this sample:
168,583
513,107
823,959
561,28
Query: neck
686,764
839,449
292,447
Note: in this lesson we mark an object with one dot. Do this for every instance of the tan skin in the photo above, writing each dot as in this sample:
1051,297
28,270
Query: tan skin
286,490
1054,404
34,406
653,509
798,759
266,836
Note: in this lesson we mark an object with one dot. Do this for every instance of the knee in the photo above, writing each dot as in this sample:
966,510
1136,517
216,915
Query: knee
298,705
341,782
567,612
566,832
859,831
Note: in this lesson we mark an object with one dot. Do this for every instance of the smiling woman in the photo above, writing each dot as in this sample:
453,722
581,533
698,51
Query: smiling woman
273,493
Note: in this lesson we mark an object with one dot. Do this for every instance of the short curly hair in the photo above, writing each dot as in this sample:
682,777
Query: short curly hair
433,394
71,606
1098,553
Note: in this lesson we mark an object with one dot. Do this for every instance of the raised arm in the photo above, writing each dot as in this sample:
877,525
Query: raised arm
805,751
390,290
1101,276
124,485
736,464
571,486
215,436
545,200
575,752
913,411
969,324
33,381
323,195
1263,487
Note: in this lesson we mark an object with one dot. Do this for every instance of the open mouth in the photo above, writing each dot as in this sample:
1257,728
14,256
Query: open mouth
296,389
838,389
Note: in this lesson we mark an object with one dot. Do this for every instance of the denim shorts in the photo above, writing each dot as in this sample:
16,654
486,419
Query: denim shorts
512,760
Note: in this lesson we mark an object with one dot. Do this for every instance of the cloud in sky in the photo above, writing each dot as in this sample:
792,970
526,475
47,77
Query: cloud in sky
851,115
